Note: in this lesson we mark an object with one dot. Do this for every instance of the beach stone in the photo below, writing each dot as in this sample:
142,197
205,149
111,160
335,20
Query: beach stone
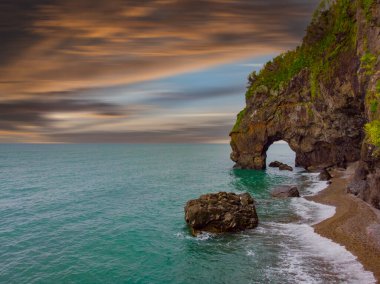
221,212
285,191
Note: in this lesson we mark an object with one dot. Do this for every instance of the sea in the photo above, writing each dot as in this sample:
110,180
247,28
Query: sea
114,213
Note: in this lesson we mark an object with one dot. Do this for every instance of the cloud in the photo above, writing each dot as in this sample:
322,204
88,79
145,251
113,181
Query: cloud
27,114
175,97
202,134
54,53
68,45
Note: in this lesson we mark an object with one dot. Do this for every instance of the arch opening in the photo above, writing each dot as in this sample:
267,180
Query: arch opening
280,151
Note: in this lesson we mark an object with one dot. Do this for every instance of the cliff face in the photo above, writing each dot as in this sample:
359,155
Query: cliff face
321,97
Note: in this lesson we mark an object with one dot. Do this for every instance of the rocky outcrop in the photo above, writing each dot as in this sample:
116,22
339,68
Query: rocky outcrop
221,212
320,97
285,191
366,182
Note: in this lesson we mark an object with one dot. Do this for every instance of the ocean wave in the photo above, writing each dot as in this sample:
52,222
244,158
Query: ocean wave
203,236
313,245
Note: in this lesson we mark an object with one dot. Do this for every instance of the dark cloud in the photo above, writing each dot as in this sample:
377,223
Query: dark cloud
17,114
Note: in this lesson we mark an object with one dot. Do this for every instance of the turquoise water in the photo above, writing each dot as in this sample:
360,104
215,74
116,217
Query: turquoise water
114,214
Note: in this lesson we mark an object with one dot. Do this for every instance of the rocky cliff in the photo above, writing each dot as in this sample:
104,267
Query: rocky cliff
322,98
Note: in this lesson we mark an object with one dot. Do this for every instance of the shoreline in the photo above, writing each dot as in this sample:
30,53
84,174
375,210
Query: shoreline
355,224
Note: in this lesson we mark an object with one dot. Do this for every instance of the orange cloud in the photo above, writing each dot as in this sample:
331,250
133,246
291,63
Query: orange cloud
63,47
82,45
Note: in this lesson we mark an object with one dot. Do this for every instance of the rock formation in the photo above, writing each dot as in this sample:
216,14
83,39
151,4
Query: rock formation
285,191
221,212
322,98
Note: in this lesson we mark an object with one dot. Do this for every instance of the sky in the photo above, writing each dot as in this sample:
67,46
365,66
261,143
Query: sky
119,71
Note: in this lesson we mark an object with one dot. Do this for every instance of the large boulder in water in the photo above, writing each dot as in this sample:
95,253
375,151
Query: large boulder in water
285,191
221,212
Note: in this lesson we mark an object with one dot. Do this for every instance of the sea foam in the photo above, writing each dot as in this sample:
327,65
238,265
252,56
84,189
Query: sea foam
314,245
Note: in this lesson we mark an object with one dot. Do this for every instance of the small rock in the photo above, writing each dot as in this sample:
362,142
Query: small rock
231,213
285,191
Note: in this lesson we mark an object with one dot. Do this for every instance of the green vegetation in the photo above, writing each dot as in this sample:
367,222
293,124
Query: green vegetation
373,105
238,120
373,98
368,62
373,132
367,7
310,112
329,35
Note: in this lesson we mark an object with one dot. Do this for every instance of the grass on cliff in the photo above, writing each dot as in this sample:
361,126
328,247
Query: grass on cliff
368,62
367,7
372,130
238,120
331,32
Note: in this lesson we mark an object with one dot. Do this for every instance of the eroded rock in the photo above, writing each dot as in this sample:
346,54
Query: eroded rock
221,212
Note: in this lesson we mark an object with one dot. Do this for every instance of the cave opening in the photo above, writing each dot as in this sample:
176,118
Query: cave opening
280,151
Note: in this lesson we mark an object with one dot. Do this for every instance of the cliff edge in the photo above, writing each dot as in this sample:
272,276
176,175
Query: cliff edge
322,98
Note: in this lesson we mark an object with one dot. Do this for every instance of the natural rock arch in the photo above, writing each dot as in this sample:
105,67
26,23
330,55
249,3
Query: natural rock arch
322,131
319,96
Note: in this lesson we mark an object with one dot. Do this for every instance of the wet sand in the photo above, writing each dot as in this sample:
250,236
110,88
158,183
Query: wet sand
355,224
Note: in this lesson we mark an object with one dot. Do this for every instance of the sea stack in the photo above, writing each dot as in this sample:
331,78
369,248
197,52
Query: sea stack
221,212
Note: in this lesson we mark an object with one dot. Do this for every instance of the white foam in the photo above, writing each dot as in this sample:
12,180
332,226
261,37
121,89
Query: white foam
310,258
312,212
316,185
204,236
314,245
250,252
201,237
